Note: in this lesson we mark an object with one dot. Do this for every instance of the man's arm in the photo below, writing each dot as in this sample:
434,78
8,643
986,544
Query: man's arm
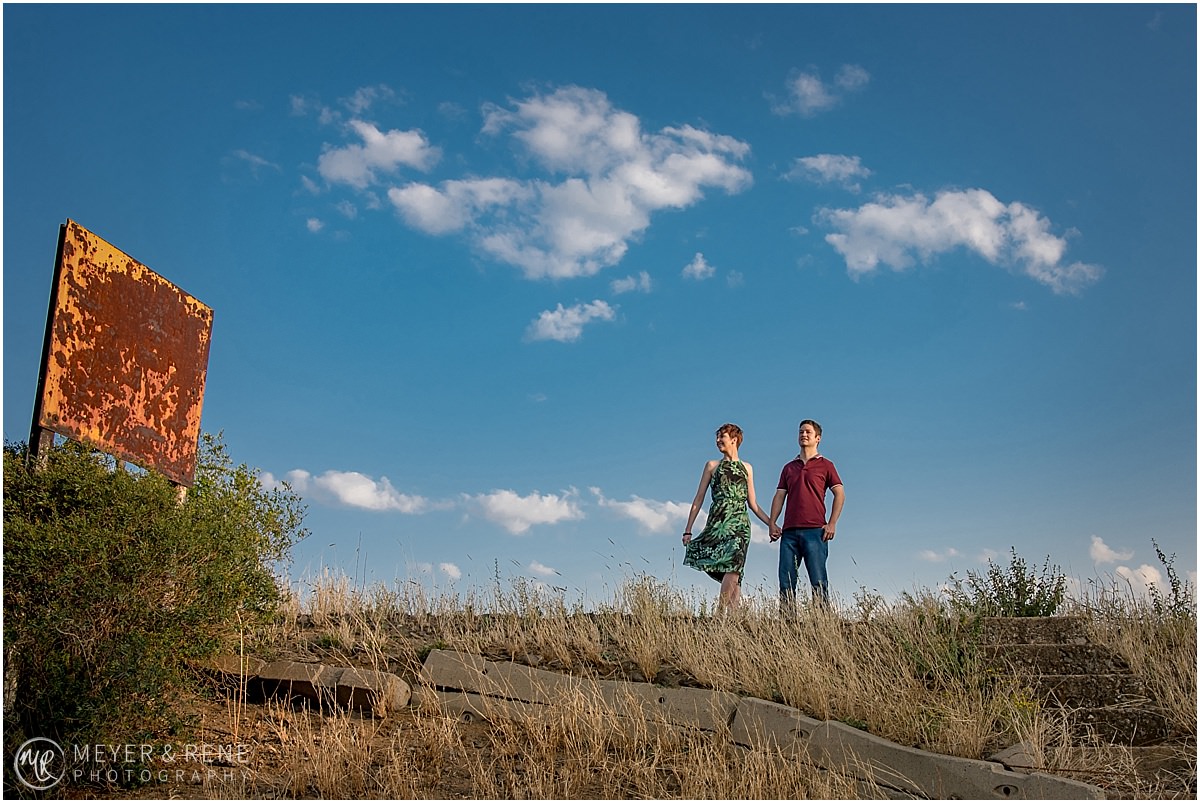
839,499
776,508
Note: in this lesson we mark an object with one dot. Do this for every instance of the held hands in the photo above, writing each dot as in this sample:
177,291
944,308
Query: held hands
777,532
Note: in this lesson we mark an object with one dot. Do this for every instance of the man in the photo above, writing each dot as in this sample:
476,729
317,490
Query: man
806,533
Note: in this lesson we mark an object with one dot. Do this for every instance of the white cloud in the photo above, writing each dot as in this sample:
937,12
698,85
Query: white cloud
606,178
518,513
897,231
652,516
455,204
255,161
365,97
808,94
629,284
852,77
352,489
314,224
573,129
542,570
357,165
451,571
698,268
1103,553
300,105
1141,578
565,324
829,168
938,557
451,110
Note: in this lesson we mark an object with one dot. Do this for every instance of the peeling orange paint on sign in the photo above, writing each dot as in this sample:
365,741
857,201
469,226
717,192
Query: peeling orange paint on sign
126,358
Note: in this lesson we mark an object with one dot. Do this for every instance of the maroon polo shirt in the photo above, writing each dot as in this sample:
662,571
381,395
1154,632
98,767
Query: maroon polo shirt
806,484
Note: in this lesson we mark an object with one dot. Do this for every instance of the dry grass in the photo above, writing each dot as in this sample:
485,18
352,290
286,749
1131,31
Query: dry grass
908,672
1158,642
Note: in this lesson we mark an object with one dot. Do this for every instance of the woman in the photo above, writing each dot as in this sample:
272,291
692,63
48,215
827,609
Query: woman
720,549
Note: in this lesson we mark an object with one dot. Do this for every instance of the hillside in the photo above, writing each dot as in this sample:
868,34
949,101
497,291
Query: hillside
115,601
903,674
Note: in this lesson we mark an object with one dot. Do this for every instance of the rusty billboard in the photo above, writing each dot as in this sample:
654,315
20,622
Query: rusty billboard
125,358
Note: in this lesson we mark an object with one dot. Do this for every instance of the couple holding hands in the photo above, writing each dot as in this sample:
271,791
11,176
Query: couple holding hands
720,549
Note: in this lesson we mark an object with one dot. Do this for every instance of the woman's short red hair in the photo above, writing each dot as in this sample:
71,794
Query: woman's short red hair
734,431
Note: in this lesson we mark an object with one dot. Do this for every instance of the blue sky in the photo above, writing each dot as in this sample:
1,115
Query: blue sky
487,279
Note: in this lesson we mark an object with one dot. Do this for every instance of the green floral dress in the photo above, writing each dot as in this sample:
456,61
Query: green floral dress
722,546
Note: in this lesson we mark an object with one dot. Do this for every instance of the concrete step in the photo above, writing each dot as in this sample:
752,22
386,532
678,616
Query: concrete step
1055,659
1102,697
1034,630
1072,691
1171,767
1115,708
1136,726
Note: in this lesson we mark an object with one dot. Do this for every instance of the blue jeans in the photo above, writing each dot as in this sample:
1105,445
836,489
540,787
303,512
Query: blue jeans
808,545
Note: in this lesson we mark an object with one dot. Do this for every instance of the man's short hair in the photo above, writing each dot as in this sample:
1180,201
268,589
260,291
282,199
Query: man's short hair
815,425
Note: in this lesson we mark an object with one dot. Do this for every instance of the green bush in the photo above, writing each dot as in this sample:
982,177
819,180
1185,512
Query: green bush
112,587
940,640
1015,591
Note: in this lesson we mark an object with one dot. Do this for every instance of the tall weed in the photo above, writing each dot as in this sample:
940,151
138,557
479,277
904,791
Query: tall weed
1013,591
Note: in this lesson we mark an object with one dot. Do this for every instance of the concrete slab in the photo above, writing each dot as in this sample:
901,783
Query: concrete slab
1018,756
293,679
381,693
865,788
834,746
472,707
472,687
697,708
449,664
764,725
938,776
692,708
452,670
